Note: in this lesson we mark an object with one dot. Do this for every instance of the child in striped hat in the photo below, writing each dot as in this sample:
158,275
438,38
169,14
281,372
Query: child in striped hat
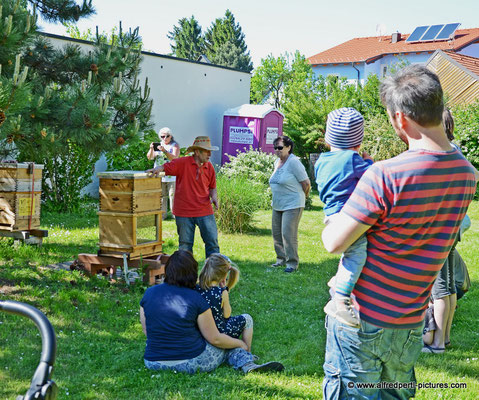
337,173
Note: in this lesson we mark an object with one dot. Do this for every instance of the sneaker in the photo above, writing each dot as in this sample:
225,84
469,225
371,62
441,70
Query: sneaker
278,264
290,269
341,309
267,367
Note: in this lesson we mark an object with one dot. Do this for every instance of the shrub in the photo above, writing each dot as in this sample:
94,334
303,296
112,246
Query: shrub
466,130
132,156
380,139
255,167
238,201
64,175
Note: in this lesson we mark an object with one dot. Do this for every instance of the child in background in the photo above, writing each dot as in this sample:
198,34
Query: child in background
337,173
217,277
442,306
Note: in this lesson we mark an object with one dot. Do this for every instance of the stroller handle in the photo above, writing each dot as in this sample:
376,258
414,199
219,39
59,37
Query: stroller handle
49,342
41,387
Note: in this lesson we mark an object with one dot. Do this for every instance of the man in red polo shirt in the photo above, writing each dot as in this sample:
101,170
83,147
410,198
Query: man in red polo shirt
195,191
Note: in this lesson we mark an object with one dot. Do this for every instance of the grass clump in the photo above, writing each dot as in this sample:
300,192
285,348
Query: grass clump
239,200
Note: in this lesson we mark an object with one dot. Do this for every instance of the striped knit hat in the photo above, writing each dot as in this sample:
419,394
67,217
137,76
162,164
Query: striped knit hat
344,128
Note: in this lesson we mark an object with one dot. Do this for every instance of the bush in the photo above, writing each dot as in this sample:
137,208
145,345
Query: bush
466,130
63,177
380,139
238,201
132,156
255,167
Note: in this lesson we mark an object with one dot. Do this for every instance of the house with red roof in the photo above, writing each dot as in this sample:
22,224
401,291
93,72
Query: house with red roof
359,57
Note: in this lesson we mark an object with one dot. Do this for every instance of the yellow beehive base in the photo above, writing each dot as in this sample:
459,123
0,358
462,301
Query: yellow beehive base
118,233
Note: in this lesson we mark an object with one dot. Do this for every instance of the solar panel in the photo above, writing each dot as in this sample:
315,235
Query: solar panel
431,33
417,34
447,31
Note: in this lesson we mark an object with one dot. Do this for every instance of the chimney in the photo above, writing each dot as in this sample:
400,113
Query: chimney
395,37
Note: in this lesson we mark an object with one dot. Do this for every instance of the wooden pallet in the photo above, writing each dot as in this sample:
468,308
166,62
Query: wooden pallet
154,269
32,236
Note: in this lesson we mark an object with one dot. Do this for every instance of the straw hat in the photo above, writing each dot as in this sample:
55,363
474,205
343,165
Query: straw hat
203,143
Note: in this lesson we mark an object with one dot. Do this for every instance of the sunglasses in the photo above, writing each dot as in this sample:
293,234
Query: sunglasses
164,137
279,147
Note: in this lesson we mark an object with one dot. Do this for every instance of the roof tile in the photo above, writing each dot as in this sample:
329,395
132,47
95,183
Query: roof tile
471,63
367,49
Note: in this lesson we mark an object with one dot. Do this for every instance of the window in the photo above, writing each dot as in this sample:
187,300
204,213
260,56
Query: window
384,71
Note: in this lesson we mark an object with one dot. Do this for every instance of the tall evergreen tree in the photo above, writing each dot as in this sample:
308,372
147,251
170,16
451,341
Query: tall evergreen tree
187,39
65,107
63,10
226,30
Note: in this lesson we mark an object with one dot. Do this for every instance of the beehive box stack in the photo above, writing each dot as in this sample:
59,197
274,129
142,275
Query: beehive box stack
20,196
130,214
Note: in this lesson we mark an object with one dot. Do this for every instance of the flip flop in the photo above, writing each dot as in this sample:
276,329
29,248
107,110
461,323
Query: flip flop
432,350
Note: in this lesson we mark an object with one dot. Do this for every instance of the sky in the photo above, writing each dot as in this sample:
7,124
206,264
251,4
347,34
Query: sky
277,26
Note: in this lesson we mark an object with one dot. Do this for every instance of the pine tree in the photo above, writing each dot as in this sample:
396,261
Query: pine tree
67,106
230,55
63,10
226,30
187,39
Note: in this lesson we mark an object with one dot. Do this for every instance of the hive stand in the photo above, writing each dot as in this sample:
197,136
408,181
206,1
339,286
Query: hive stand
154,267
32,236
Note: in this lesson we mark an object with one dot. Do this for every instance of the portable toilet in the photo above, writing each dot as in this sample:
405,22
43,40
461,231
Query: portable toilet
250,125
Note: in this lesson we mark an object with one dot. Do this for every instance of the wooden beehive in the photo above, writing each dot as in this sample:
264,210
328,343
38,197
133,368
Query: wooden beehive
20,196
130,213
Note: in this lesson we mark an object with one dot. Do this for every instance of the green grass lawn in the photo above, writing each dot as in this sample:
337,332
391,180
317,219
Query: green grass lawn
100,341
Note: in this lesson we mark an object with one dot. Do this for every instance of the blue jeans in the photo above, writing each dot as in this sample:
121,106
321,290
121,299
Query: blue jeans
369,354
211,358
185,227
351,265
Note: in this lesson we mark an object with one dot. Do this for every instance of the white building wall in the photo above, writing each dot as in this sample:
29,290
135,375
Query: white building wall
188,97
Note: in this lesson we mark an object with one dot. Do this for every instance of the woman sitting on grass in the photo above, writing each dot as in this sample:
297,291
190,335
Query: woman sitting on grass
181,334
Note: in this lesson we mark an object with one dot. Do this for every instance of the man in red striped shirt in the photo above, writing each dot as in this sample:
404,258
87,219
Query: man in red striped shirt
411,207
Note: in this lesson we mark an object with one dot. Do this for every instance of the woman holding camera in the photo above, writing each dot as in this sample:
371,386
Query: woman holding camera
165,151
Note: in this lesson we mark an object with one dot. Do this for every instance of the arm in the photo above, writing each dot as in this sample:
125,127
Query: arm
214,197
341,233
171,156
155,171
143,320
151,153
225,304
210,332
306,185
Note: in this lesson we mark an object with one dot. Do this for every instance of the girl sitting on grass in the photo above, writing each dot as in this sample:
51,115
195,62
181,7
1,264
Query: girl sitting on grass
217,277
